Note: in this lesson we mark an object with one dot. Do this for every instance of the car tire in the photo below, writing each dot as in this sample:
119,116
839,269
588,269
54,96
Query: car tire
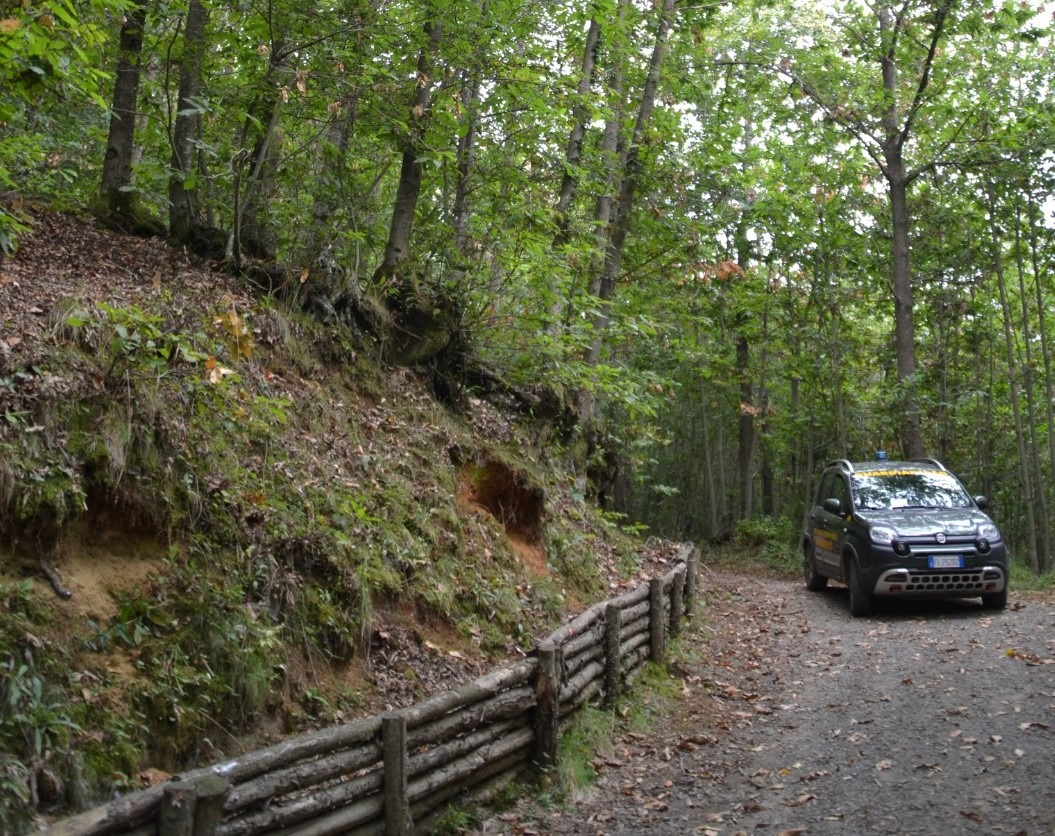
995,601
860,600
815,581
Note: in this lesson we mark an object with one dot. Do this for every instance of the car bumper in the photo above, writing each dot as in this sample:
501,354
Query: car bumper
942,583
980,574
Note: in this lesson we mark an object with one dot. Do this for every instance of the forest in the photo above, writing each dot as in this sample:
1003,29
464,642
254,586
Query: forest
704,248
739,239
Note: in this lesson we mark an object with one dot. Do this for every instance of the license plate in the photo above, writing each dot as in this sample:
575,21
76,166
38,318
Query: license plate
946,561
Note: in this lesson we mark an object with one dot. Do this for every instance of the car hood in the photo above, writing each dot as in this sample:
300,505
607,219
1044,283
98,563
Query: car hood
920,522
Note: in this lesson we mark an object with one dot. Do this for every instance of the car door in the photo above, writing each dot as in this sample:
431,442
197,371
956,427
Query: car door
826,527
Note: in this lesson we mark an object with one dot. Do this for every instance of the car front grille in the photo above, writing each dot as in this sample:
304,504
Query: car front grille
967,582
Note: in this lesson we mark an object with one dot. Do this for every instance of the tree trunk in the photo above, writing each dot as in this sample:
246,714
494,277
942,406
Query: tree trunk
397,250
904,322
897,128
1032,419
1045,344
1012,364
183,217
573,152
613,253
746,428
709,466
117,195
746,436
572,159
465,157
604,210
251,232
766,474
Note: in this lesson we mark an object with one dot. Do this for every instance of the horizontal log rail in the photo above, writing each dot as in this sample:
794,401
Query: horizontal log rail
394,773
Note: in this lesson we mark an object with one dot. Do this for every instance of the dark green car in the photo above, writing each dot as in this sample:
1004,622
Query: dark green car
904,529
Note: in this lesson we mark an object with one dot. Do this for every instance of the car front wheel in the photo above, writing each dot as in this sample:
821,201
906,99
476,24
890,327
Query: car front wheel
815,581
860,599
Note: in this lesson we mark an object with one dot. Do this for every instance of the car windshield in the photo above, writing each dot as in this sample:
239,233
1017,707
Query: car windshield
877,490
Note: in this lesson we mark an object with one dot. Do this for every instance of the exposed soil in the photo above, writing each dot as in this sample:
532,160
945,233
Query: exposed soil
928,718
99,565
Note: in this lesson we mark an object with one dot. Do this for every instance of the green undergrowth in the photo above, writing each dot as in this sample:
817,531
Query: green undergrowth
760,545
297,493
1024,578
594,733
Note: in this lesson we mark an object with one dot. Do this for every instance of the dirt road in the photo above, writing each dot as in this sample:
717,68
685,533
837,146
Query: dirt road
928,718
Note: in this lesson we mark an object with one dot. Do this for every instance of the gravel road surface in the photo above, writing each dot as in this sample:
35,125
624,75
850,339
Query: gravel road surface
927,718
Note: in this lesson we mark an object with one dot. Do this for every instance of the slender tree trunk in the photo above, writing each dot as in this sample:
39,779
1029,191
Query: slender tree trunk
251,232
465,157
1045,345
766,470
746,428
604,210
1043,524
895,134
723,467
942,421
828,307
116,191
1012,364
183,216
572,160
709,466
573,152
904,320
397,250
632,168
747,437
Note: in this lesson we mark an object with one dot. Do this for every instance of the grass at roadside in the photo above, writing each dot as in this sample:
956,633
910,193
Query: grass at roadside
765,546
1024,578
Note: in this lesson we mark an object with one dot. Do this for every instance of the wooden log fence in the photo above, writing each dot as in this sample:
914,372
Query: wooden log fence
395,773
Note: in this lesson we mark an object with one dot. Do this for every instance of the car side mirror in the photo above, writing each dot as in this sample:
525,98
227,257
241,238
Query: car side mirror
982,502
832,505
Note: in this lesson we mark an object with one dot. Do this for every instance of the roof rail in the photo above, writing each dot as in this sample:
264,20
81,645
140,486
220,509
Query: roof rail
934,462
843,464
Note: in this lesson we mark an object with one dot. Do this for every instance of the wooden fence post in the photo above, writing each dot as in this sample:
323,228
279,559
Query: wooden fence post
613,672
394,748
692,569
547,691
657,626
677,601
211,792
176,814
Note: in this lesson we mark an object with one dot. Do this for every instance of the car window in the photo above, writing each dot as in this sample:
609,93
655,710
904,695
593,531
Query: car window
840,492
832,485
824,488
885,489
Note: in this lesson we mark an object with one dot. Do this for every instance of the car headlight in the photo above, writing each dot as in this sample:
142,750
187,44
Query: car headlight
988,531
882,534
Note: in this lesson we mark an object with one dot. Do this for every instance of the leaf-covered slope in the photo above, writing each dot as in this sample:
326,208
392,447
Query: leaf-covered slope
224,522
